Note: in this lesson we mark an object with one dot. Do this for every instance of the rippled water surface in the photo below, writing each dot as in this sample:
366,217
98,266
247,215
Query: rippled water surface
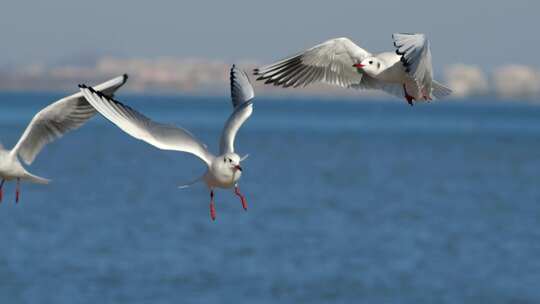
349,202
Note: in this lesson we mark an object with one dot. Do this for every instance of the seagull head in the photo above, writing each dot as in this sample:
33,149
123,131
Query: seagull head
370,65
232,161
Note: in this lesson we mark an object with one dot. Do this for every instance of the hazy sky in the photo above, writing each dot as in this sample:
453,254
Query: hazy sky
488,33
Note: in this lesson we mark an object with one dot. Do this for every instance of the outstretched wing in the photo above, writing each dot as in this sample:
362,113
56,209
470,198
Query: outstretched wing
241,95
165,137
55,120
330,62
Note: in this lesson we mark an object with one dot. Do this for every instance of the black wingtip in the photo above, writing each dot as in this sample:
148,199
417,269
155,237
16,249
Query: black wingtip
82,86
125,77
91,90
231,72
100,94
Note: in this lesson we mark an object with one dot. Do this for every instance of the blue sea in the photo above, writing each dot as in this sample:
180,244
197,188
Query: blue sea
349,202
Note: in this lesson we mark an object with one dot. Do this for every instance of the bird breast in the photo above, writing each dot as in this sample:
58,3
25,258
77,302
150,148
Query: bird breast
222,177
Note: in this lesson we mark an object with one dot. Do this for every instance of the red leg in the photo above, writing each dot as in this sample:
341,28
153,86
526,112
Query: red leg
212,207
1,191
18,191
408,97
425,95
242,197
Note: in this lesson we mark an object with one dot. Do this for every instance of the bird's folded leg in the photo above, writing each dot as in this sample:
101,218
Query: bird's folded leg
425,95
242,197
18,190
1,191
212,206
408,97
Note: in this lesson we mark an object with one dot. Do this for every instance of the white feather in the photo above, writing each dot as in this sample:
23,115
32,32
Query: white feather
55,120
162,136
241,95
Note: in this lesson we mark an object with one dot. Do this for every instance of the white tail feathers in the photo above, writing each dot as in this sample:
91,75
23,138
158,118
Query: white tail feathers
36,179
439,91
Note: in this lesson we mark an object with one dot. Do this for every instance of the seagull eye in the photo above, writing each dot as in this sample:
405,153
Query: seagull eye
371,62
230,160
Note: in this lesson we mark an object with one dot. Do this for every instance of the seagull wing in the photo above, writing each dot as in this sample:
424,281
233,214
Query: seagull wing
242,95
330,62
415,56
55,120
162,136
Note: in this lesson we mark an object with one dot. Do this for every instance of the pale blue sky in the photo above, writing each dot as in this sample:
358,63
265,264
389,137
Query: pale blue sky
488,33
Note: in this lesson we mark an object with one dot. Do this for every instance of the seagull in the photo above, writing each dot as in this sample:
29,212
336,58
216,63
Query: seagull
224,170
407,72
52,122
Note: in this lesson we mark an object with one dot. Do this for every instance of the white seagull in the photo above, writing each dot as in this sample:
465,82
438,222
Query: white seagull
406,72
224,170
52,122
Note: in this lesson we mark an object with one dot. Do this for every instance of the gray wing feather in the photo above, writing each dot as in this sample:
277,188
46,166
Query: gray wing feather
241,88
162,136
55,120
415,56
241,94
330,62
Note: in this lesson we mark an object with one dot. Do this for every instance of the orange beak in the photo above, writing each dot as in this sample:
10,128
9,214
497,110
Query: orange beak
358,65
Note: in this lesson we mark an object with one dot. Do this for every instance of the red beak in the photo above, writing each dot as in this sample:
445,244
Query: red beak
358,65
237,167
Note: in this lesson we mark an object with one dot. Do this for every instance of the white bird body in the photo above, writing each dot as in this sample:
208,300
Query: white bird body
407,72
50,123
392,70
12,169
223,171
10,166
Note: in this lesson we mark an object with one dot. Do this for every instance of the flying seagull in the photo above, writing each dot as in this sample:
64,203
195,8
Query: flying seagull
406,72
224,170
52,122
